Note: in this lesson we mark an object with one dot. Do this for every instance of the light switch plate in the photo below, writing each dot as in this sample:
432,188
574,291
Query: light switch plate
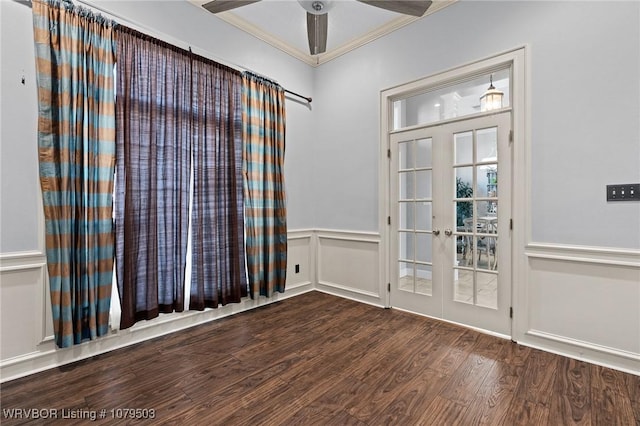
623,192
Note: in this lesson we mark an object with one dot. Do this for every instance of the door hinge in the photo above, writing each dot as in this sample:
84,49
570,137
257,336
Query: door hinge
510,135
388,153
511,224
511,312
388,220
388,287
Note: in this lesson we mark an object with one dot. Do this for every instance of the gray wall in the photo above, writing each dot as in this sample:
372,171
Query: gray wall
178,22
585,107
19,185
584,104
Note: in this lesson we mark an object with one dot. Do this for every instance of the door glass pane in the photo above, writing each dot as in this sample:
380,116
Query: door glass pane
485,251
463,286
423,184
463,148
405,245
487,181
457,100
487,140
423,279
492,211
491,173
423,247
406,185
464,182
493,242
424,216
463,247
423,153
464,216
406,215
405,155
487,290
405,276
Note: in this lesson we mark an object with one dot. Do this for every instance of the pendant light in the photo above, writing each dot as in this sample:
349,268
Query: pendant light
492,98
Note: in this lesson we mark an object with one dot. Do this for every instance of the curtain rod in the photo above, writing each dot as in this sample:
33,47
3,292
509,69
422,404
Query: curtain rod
298,95
130,22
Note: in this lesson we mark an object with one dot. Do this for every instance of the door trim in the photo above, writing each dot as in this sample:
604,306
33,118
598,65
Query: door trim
521,164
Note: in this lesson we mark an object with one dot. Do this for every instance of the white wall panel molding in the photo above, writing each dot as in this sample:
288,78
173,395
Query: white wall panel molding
22,307
349,265
582,302
301,253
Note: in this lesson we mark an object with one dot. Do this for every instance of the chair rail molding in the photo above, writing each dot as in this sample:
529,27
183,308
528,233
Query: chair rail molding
586,254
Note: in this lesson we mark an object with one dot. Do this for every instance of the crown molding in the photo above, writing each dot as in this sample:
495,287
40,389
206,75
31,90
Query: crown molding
316,60
246,26
379,32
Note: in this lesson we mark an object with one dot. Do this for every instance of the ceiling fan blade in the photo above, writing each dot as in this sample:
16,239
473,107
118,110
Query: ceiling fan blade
217,6
406,7
317,32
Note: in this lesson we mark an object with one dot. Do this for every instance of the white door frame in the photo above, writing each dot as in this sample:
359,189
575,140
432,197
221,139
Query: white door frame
520,164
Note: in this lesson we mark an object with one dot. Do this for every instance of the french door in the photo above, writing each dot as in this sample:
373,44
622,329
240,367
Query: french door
450,221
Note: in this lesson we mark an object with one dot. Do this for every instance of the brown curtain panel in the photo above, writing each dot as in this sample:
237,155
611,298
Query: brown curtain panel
153,131
218,267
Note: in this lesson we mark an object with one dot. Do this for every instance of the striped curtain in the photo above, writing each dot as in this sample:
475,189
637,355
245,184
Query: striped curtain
76,143
152,178
218,267
265,201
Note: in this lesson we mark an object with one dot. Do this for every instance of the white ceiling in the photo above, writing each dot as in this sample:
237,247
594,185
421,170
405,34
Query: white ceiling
282,23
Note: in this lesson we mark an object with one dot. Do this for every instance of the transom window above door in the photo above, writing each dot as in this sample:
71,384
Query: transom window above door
446,102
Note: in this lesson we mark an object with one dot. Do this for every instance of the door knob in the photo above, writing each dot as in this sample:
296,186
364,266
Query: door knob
448,232
436,232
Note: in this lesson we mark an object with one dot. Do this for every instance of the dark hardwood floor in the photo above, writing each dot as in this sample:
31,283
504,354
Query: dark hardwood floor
317,359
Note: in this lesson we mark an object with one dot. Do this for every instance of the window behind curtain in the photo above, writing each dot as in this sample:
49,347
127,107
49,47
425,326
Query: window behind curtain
218,269
173,108
153,133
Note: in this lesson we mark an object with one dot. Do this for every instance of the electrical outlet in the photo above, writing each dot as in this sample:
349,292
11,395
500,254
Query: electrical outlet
623,192
297,269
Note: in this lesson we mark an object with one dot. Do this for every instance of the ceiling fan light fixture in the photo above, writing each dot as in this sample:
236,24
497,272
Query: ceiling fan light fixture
316,7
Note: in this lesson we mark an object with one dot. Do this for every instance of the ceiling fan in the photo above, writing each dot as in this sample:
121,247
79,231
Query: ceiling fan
317,14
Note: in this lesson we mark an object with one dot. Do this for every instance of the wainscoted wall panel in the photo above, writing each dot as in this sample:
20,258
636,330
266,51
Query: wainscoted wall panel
22,321
575,301
300,252
584,302
25,313
349,265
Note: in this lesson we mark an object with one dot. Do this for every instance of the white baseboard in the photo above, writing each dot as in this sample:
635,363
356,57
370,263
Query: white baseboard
584,351
52,357
350,295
